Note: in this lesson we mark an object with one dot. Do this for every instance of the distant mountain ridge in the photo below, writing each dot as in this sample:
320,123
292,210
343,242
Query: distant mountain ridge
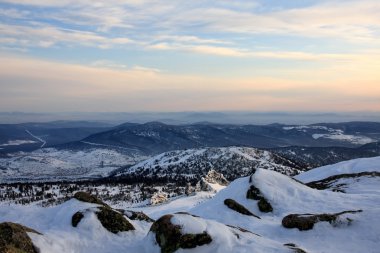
155,137
232,162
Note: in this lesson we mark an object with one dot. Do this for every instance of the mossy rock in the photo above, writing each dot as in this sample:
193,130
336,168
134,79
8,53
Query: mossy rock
169,236
232,204
113,221
14,238
264,206
307,221
77,217
86,197
138,216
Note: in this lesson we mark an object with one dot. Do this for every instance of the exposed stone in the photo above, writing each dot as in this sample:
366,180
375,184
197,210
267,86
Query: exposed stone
263,204
113,221
295,248
138,216
253,193
86,197
307,221
158,198
170,238
14,238
232,204
77,217
214,177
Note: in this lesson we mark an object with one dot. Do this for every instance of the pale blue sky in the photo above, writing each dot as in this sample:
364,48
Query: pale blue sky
279,52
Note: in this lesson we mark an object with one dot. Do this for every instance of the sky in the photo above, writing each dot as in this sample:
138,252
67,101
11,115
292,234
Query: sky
198,55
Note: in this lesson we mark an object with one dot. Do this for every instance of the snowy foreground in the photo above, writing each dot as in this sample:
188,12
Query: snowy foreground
356,233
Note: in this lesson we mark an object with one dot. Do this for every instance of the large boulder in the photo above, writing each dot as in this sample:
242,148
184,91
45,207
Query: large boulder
111,219
170,237
14,238
87,197
307,221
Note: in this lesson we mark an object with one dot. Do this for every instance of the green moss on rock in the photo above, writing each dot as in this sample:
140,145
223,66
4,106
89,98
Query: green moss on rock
232,204
113,221
77,217
86,197
14,238
169,236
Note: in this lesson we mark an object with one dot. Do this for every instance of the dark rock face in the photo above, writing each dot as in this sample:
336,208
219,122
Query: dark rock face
113,221
232,204
14,239
294,247
86,197
170,238
263,204
307,221
77,217
138,216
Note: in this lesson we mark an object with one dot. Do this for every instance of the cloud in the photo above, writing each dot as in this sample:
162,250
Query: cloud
69,87
47,36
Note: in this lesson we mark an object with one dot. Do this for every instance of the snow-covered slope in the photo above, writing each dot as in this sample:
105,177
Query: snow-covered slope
230,230
288,196
51,164
233,162
346,167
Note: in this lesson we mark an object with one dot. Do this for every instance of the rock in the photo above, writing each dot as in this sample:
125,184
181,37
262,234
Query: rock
77,217
253,193
14,238
294,247
86,197
307,221
232,204
263,204
158,198
113,221
214,177
170,238
138,216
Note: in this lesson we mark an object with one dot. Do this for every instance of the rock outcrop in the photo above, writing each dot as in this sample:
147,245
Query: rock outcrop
14,238
307,221
170,237
232,204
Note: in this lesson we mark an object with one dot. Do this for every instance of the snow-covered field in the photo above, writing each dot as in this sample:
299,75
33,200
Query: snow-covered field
359,234
53,164
333,134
